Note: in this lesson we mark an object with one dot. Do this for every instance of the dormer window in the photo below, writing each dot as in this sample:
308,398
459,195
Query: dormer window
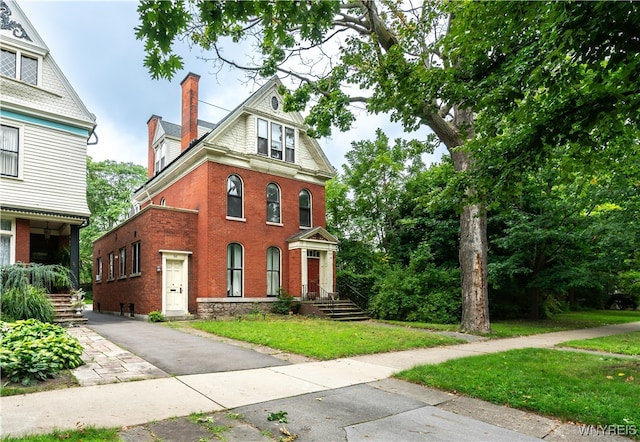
160,157
20,66
273,138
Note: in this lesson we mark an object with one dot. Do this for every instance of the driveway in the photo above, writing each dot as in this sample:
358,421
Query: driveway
175,352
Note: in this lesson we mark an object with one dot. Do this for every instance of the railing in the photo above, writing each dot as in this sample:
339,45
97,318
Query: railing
361,300
317,293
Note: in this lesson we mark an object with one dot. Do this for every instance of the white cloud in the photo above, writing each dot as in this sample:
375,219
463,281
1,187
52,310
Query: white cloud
119,145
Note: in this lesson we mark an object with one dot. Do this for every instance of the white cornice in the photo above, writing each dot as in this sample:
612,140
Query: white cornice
201,154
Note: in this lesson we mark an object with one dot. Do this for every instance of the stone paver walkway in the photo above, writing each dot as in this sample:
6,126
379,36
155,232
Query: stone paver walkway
106,363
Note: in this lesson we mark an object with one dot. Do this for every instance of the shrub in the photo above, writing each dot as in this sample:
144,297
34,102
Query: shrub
420,292
32,350
21,275
284,304
156,316
356,287
27,303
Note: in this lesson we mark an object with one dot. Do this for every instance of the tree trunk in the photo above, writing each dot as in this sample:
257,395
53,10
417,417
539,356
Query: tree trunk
473,266
473,227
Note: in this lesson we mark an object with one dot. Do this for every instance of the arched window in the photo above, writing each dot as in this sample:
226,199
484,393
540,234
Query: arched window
273,203
305,208
234,196
163,202
234,270
273,271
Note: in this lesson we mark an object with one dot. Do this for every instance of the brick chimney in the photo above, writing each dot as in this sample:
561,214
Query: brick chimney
152,125
189,109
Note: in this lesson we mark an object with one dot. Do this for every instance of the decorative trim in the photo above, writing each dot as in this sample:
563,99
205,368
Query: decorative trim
11,25
43,122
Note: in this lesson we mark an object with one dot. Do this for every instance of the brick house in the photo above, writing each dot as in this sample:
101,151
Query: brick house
44,132
231,214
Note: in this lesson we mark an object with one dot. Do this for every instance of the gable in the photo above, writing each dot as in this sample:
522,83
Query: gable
51,97
238,133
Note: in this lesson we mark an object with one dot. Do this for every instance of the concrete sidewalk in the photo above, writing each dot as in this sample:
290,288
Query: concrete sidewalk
355,392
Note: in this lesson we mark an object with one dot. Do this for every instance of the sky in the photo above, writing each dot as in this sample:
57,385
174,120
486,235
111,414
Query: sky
94,44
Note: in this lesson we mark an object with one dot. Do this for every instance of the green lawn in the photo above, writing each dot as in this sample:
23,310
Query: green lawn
562,321
573,386
322,339
626,344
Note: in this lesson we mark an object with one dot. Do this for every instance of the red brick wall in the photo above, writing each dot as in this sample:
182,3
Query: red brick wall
156,228
23,240
189,109
295,278
205,190
207,235
255,234
152,125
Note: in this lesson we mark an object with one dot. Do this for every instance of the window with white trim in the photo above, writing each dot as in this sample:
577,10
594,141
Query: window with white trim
110,271
160,157
122,265
234,196
273,138
273,203
7,241
98,269
273,271
234,270
20,66
9,150
135,259
304,199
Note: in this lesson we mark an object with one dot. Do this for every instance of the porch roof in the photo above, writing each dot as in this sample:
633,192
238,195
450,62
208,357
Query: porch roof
318,233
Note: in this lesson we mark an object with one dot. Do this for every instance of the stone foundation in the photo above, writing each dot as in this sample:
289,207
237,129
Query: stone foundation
214,308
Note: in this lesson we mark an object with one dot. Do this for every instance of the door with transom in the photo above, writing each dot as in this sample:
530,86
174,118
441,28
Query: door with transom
175,290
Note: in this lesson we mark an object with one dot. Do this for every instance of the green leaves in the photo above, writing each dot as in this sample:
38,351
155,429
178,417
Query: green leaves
545,74
31,350
161,22
110,185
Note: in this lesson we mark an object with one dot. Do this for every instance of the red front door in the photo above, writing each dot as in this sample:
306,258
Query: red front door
313,277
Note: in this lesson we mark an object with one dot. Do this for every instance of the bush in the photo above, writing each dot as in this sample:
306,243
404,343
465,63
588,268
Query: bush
284,304
156,316
32,350
419,292
356,287
46,276
28,303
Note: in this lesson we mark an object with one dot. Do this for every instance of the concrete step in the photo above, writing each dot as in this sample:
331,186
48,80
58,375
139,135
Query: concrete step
342,310
64,313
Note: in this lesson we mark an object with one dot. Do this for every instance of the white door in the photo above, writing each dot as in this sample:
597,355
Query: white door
175,291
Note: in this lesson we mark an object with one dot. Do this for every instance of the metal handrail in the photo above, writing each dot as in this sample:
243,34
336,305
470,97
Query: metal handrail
360,295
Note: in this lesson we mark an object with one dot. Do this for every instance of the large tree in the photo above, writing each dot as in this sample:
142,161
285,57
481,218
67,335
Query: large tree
432,64
110,185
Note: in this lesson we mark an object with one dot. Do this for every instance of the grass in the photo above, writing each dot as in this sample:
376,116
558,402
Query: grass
88,434
560,322
322,339
573,386
626,344
563,321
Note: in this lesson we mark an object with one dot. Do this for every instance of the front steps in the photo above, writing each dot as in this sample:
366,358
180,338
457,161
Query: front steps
65,315
339,310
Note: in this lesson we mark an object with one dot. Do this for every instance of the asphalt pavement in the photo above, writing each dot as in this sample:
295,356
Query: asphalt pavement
175,352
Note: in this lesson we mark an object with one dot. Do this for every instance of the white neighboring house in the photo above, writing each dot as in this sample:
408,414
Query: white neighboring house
45,129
